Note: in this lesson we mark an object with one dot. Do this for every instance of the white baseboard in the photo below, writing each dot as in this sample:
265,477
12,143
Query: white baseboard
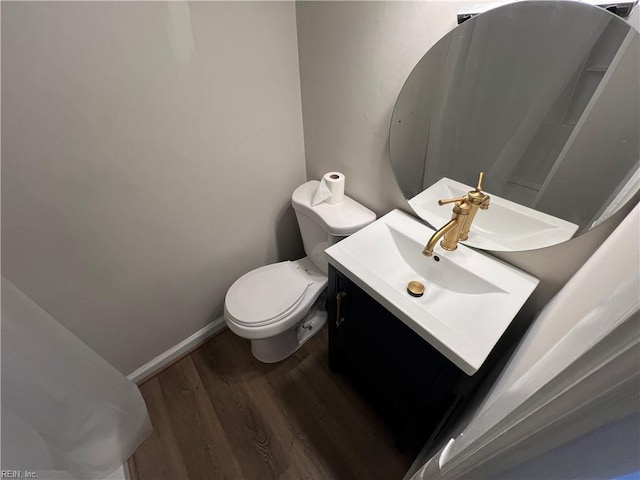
154,366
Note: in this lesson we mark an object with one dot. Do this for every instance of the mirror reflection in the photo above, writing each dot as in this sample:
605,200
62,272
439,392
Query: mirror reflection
544,98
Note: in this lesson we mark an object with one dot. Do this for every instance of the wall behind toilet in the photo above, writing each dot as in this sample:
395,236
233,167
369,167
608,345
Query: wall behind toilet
354,59
149,152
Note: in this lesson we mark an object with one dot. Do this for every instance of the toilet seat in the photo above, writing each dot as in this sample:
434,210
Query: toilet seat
267,294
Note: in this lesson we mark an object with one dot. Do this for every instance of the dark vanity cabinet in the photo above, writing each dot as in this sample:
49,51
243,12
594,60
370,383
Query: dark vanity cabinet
413,386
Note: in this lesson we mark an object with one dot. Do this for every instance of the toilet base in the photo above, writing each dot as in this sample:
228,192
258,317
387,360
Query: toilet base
285,344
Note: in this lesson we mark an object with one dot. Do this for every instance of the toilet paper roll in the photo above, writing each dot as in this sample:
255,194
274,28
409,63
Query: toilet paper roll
334,182
330,189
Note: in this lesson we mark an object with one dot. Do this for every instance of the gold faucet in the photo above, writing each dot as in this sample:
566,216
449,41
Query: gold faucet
478,200
458,227
451,231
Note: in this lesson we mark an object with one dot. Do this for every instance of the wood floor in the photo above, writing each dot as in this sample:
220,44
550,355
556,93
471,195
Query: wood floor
219,413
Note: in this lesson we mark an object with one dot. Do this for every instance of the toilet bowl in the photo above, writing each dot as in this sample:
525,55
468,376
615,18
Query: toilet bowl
278,307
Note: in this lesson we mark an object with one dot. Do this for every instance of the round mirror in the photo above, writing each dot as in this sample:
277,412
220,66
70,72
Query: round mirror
541,96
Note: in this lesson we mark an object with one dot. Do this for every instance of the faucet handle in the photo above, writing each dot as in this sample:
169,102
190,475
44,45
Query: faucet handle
452,200
477,197
480,180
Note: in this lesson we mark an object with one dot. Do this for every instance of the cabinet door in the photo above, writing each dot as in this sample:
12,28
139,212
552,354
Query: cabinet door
388,358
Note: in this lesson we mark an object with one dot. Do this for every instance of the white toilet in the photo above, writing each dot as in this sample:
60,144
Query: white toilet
280,306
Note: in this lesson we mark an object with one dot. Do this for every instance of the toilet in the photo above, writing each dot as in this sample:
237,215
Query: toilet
280,306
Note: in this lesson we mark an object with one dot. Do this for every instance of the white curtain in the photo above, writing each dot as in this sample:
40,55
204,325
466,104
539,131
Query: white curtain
553,416
64,408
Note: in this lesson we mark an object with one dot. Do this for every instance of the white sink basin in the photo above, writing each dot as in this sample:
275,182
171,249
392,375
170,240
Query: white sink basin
505,226
470,298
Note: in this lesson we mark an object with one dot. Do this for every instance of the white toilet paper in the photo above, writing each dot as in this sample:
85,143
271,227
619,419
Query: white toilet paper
330,189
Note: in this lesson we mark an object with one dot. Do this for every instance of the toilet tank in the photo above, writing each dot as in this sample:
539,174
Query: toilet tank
323,225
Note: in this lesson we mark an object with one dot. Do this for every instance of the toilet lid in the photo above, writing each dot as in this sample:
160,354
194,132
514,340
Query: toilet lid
266,294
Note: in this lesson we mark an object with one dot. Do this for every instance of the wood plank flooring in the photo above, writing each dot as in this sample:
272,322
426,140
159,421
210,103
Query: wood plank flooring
219,413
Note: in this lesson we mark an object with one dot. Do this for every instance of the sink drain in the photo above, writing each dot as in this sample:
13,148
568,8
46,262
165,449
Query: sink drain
415,288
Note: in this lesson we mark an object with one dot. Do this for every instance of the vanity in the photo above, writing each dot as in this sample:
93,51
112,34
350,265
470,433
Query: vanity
417,358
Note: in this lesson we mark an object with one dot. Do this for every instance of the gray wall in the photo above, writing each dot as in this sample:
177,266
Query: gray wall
354,59
149,152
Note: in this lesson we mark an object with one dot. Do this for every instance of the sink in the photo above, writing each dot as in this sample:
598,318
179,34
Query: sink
470,298
504,226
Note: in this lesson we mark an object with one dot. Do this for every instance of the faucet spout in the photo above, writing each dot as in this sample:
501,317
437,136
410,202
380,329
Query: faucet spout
431,244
